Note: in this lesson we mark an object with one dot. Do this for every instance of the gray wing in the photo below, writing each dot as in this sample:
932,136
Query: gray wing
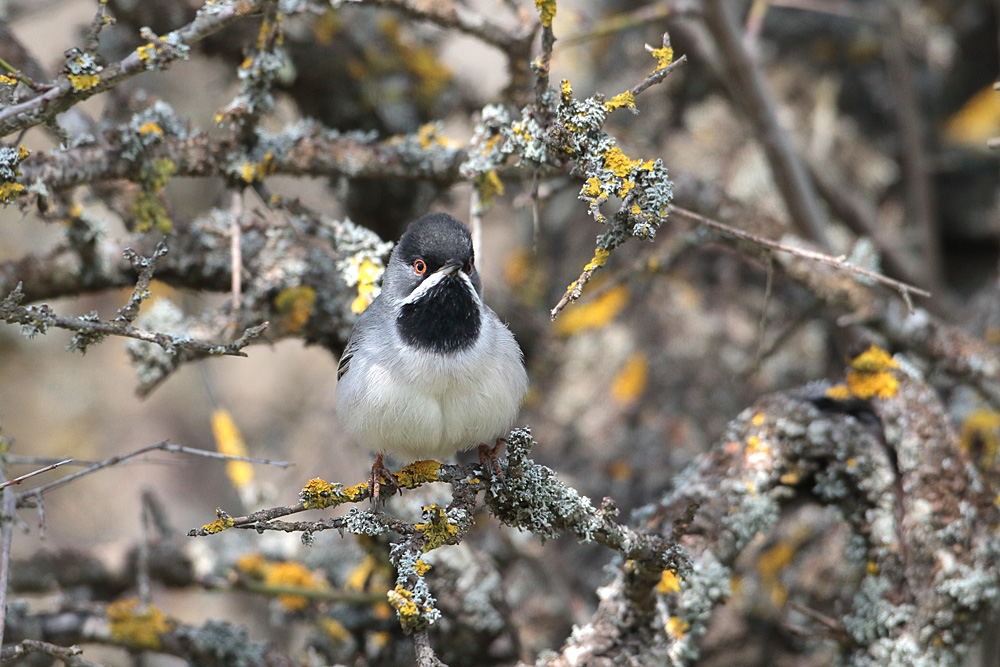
345,358
361,328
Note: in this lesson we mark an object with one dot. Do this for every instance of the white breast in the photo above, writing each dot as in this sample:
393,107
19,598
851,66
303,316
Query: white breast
415,404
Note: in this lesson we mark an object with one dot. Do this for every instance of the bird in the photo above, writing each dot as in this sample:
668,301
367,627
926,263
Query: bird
429,369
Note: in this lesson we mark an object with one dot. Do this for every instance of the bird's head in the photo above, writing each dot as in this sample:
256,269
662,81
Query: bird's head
434,286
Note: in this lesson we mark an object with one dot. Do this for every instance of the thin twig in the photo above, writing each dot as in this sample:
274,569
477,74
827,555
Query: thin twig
610,25
68,655
235,247
8,501
658,75
904,289
747,89
164,446
18,480
918,190
425,654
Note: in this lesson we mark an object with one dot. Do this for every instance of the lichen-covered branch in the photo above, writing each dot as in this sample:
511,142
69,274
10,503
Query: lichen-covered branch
925,557
86,78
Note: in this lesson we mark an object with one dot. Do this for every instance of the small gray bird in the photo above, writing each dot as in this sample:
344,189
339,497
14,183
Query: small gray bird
429,369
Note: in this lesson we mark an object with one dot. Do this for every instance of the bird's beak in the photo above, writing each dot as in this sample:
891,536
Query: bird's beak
450,268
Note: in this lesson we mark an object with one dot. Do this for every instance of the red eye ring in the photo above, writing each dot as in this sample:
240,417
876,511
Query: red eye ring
420,267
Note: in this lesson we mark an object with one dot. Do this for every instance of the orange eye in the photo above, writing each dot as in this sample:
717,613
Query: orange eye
420,267
468,268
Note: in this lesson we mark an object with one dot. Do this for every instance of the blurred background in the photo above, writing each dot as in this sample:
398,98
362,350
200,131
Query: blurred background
631,383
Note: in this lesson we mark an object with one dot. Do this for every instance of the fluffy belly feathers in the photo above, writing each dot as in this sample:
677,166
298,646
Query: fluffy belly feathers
428,416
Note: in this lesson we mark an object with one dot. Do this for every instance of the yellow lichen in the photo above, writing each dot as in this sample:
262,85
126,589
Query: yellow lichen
418,473
438,531
758,419
625,99
148,210
866,385
756,446
83,81
334,630
150,127
8,80
10,191
327,25
421,567
775,559
631,380
252,564
135,626
792,477
669,583
547,11
402,601
428,136
677,627
294,306
229,441
358,577
256,171
594,314
488,185
368,273
870,375
979,436
616,161
592,188
289,574
838,392
664,56
600,259
219,525
566,90
873,360
146,52
319,494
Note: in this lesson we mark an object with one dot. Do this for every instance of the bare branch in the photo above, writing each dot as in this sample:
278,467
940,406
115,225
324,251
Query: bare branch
841,262
164,446
18,480
748,91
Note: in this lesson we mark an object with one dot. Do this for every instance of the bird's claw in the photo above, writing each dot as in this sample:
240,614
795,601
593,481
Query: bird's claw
488,458
380,472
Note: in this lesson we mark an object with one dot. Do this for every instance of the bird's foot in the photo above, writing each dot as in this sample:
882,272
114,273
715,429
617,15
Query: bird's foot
488,458
381,473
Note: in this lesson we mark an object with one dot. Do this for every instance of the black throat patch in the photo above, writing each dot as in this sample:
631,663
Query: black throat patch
445,319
